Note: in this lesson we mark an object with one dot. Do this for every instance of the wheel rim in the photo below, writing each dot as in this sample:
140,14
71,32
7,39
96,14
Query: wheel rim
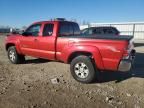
81,70
12,55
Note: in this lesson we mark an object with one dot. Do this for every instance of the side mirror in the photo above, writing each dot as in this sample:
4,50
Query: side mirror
26,34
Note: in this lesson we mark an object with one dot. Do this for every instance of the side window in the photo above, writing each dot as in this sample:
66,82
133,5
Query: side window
87,31
34,30
76,29
108,31
66,29
97,31
116,32
48,29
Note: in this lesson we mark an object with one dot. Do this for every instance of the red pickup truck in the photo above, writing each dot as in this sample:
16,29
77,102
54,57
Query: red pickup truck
61,40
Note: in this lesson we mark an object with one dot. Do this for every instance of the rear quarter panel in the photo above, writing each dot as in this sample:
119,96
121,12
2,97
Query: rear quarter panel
107,53
111,52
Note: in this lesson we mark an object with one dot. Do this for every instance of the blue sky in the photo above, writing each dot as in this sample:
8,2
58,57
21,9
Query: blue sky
17,13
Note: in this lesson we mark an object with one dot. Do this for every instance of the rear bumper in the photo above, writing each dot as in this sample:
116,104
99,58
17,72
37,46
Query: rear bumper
126,64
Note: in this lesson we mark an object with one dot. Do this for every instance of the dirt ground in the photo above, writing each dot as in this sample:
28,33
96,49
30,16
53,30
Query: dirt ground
29,85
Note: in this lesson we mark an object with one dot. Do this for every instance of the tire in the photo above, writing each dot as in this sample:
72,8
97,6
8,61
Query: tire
14,57
83,69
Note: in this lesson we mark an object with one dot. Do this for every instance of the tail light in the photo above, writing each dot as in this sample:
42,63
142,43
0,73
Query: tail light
126,54
127,51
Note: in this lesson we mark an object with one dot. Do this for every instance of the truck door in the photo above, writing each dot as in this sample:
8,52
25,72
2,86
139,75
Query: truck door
29,40
46,42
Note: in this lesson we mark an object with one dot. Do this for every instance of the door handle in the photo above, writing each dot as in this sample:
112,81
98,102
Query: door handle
35,40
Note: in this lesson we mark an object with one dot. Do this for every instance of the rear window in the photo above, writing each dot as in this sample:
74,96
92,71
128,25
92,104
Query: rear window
69,29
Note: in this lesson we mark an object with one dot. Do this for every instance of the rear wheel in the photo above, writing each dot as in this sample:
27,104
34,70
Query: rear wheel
14,57
82,69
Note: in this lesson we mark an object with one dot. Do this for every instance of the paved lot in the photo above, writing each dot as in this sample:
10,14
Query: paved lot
29,85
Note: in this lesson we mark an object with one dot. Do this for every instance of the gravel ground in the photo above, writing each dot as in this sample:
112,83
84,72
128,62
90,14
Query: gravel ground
29,85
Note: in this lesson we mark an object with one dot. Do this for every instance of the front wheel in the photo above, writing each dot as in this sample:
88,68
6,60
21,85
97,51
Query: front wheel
82,69
14,57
